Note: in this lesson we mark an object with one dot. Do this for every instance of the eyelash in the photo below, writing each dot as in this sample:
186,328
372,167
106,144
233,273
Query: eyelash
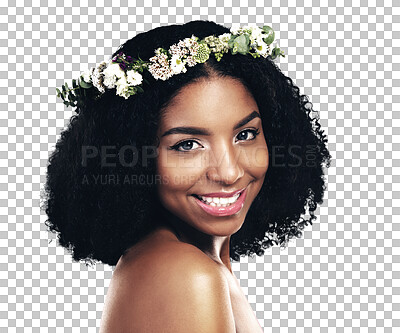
179,144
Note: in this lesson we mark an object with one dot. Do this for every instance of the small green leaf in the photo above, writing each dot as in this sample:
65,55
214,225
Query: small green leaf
71,96
139,89
231,42
84,84
64,90
276,52
58,92
270,34
242,44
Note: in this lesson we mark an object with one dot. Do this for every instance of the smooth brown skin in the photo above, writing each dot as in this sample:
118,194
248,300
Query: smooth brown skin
180,280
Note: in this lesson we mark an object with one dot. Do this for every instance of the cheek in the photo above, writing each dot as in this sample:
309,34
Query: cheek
179,171
257,160
261,160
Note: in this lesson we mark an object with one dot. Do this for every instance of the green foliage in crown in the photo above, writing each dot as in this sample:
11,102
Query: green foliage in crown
125,73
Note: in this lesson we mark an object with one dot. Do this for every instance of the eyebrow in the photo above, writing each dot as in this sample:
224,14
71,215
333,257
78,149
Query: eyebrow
203,131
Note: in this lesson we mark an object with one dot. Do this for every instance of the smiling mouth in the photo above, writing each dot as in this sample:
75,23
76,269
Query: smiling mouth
222,206
219,202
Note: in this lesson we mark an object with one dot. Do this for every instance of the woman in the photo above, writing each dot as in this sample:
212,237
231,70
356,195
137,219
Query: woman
189,149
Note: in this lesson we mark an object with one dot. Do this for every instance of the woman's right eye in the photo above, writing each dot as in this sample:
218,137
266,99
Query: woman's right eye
185,146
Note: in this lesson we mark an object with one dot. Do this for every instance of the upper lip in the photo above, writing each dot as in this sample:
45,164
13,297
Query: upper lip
222,194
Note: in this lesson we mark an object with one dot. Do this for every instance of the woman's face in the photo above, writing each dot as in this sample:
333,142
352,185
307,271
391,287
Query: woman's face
212,156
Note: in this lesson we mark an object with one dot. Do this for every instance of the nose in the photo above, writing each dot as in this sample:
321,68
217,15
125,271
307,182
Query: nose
224,166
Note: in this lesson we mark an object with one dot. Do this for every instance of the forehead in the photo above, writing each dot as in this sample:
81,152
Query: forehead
209,103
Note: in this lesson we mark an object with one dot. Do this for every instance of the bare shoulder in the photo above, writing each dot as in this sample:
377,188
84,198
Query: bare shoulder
172,288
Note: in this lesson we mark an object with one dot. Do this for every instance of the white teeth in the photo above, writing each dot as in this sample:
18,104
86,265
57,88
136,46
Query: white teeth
220,202
223,201
216,200
233,199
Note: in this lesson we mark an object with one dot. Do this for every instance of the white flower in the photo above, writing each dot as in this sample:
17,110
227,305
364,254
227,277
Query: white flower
134,78
224,39
114,69
250,26
122,87
186,42
189,41
256,33
87,75
111,74
235,29
109,81
261,47
177,65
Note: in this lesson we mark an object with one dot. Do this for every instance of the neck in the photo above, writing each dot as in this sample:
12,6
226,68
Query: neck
215,247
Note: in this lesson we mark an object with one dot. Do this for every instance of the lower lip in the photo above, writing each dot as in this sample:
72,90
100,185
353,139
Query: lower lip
223,211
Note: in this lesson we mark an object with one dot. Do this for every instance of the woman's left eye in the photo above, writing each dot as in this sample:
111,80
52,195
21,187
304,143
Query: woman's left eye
248,135
185,146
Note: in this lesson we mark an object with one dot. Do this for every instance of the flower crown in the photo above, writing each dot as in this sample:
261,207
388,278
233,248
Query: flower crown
124,72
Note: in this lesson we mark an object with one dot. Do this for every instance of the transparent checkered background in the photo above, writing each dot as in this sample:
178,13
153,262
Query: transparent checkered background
342,276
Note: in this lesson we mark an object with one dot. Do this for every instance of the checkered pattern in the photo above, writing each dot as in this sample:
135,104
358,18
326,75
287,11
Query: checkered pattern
342,276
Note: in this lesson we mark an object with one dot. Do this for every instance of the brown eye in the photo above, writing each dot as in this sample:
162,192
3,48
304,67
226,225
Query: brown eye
185,145
247,135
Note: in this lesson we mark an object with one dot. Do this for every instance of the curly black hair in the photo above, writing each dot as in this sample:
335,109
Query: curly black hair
98,214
